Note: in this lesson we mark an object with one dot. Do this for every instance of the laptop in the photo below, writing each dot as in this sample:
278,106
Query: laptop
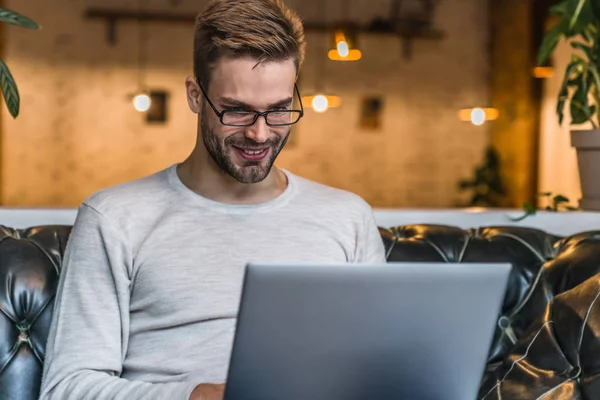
418,331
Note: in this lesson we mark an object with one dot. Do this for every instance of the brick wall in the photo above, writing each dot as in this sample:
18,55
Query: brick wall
78,132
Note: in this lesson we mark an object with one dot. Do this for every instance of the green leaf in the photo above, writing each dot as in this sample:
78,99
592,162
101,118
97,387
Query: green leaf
572,75
9,90
586,49
561,9
580,113
560,108
581,18
593,69
545,194
595,5
559,198
576,14
549,43
589,34
529,209
12,17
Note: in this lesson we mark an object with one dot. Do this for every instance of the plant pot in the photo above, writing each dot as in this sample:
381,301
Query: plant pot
587,144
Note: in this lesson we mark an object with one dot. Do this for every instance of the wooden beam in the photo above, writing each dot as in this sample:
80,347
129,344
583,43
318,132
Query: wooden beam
517,94
405,29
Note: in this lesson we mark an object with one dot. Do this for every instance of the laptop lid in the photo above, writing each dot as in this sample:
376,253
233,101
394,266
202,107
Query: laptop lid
351,331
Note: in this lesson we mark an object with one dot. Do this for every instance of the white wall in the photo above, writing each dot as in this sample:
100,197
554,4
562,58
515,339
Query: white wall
558,171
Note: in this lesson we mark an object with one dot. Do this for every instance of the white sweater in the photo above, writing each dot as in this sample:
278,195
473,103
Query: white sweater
150,284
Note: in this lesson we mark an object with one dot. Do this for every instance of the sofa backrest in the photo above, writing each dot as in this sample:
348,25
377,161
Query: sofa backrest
30,262
556,223
562,223
544,265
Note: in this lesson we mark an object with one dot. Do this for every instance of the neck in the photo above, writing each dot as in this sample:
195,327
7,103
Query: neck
201,175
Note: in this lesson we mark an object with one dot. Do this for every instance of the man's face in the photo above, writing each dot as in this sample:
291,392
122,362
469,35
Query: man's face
247,153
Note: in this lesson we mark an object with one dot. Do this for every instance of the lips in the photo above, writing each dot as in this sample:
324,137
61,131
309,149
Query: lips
252,154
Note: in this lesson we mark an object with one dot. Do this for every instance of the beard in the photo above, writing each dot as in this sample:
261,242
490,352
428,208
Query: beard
221,153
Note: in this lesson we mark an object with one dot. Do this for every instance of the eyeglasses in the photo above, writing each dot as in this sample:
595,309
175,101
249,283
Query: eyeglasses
249,117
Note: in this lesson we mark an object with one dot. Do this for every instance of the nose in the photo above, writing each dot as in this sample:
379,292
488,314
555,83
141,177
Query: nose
259,132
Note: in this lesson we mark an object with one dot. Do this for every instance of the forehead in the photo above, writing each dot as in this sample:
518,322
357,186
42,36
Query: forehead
244,80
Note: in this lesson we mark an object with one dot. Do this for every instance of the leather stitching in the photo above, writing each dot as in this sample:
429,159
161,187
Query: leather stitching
464,248
524,243
429,242
553,389
583,325
497,385
50,258
530,292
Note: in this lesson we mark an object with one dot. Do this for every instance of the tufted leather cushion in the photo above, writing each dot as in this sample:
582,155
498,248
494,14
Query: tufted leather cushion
558,357
552,288
547,339
30,263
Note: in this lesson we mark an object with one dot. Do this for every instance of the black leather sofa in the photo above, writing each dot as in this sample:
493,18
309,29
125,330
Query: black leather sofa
546,345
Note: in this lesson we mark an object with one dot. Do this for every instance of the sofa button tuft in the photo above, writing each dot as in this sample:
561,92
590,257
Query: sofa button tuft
504,322
575,373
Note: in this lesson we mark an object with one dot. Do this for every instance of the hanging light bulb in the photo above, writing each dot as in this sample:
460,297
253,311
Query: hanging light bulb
478,115
142,102
321,102
342,48
345,43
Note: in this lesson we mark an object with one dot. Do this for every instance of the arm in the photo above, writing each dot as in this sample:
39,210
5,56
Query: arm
369,244
89,333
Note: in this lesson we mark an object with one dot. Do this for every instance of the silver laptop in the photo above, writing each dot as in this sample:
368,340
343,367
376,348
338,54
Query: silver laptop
418,331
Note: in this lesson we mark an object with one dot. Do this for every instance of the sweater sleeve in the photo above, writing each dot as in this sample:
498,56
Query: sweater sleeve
369,244
89,332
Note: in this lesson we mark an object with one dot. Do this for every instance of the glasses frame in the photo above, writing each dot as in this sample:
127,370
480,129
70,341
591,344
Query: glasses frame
257,114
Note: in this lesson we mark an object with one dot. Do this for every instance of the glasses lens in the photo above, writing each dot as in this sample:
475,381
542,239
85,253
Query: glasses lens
283,117
238,117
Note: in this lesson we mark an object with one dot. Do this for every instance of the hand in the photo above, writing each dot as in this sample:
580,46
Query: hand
208,391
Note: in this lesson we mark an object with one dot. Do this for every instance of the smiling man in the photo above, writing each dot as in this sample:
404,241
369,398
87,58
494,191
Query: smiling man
149,291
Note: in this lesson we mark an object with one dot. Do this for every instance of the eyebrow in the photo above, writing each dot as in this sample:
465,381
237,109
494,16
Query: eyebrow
236,103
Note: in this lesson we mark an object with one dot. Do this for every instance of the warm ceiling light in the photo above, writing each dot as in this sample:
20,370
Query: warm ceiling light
321,102
142,102
353,55
344,43
542,72
478,115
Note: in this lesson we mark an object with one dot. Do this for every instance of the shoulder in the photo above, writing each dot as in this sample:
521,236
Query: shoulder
131,197
331,200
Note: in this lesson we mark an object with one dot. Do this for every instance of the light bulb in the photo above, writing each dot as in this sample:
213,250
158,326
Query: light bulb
142,102
320,103
477,116
342,49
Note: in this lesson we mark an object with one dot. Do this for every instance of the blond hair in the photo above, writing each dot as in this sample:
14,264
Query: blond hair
266,30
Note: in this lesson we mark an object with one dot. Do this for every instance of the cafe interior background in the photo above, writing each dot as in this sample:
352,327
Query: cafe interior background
409,103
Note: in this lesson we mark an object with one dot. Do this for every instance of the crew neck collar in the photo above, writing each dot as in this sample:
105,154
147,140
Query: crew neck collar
200,200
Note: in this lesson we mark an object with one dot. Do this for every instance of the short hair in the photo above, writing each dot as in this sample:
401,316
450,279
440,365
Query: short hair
266,30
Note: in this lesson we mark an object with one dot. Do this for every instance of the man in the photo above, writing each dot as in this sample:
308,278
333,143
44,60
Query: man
152,275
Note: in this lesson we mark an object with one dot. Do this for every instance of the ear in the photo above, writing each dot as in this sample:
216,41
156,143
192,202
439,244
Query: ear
194,95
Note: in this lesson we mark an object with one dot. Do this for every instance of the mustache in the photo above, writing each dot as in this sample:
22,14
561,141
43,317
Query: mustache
247,142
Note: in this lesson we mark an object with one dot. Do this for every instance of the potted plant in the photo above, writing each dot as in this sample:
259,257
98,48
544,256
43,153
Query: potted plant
7,82
578,22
